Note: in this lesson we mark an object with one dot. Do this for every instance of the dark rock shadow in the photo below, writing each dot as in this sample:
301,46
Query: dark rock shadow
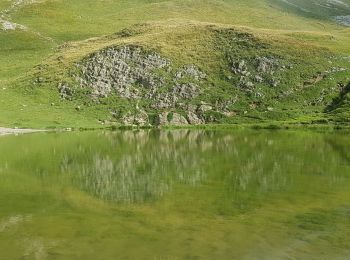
339,100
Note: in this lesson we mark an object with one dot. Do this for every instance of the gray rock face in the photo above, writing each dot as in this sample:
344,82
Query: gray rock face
267,65
204,108
65,91
186,91
258,79
190,71
178,120
260,70
120,69
134,74
164,100
168,118
240,68
139,118
162,119
128,119
193,118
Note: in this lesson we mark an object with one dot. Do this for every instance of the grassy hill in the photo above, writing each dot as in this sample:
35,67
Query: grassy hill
264,62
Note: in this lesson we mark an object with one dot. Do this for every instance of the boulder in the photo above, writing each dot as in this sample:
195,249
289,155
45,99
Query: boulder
193,119
178,120
169,118
204,108
140,118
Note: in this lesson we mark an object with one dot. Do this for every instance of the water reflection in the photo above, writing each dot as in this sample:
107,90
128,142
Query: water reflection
140,165
137,166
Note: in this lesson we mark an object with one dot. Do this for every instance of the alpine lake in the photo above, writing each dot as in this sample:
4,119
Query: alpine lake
175,194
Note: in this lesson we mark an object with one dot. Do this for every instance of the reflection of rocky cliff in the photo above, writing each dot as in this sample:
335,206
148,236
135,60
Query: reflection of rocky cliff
340,145
136,166
148,166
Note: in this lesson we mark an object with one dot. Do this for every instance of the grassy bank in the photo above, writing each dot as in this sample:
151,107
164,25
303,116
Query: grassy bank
204,33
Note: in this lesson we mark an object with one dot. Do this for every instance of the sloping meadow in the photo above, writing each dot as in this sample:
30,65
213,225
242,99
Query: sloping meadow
193,73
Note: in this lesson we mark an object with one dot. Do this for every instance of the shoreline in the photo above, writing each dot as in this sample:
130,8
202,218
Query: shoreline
247,126
17,131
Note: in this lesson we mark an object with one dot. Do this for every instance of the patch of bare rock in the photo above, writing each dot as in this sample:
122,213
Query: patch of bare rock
174,94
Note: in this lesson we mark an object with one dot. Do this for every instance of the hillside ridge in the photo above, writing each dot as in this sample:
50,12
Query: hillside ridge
175,70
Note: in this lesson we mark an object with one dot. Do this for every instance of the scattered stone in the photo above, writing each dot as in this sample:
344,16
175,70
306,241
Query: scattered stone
335,70
229,113
204,108
267,65
186,91
240,68
128,119
249,84
65,91
191,108
275,82
10,26
190,71
6,25
193,119
39,80
258,79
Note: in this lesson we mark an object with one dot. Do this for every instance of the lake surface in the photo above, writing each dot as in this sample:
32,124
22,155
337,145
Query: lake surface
180,194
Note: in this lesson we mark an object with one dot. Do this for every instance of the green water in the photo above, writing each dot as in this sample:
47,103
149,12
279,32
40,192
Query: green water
175,195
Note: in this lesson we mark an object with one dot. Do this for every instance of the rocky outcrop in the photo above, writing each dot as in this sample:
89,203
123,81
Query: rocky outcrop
65,91
194,119
267,65
139,118
134,74
170,118
121,70
259,70
186,90
190,71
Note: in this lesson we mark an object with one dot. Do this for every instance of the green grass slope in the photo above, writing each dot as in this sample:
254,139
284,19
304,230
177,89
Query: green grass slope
53,36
